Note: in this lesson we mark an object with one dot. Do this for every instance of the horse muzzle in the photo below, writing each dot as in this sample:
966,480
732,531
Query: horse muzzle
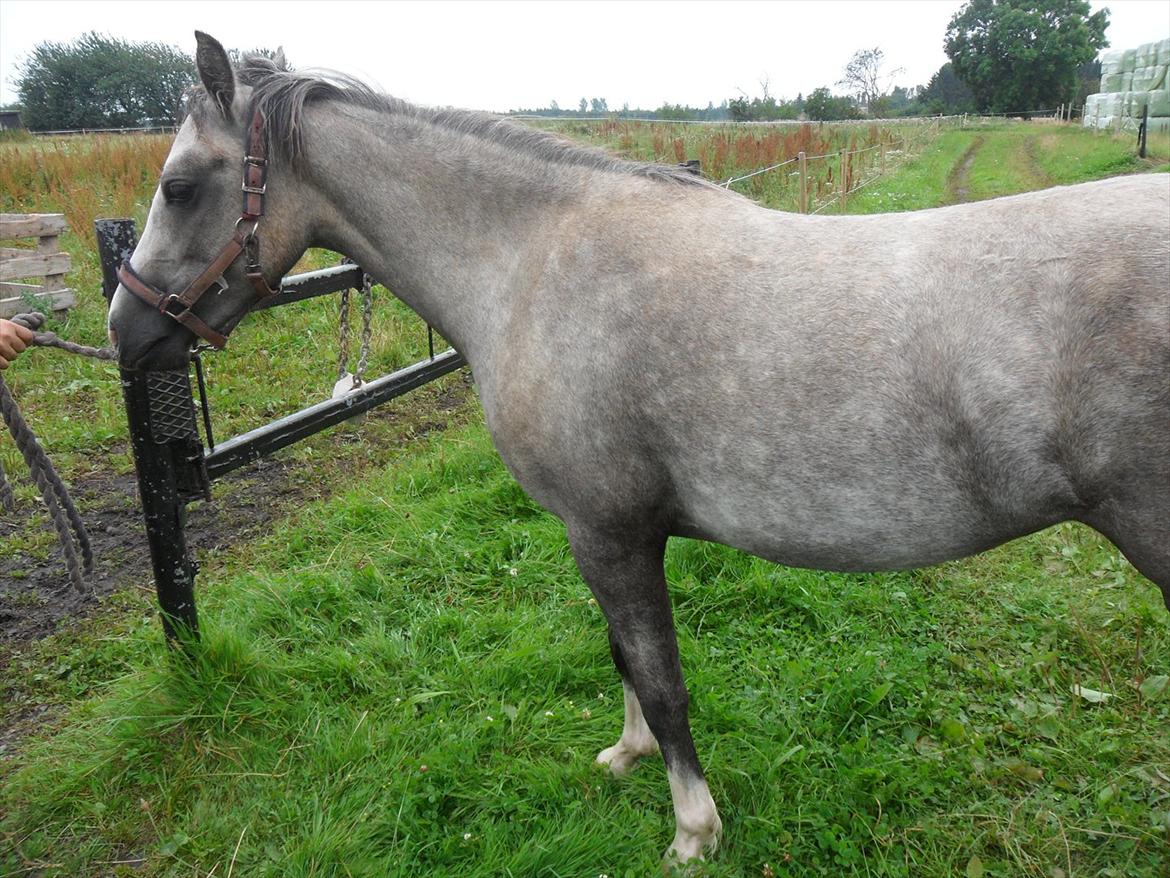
146,339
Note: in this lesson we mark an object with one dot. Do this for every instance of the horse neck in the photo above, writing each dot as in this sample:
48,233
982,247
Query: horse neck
449,223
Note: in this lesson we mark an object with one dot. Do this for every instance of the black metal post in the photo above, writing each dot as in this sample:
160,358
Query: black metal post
163,507
116,239
167,455
1143,131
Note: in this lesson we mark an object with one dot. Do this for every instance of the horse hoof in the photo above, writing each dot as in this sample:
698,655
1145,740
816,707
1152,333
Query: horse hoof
618,760
690,849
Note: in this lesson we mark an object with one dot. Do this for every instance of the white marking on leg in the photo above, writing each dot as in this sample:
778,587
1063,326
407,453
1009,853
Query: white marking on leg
697,823
636,741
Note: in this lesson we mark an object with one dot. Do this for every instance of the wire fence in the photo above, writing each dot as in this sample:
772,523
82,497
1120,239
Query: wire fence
856,168
150,129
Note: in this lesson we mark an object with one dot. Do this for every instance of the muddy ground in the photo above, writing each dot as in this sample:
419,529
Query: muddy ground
36,597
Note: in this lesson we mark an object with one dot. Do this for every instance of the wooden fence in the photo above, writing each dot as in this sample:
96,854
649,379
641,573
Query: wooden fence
45,260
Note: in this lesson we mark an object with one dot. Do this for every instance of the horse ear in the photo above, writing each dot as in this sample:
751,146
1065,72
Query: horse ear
216,72
279,60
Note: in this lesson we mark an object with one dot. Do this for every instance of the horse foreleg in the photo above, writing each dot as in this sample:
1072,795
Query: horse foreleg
625,575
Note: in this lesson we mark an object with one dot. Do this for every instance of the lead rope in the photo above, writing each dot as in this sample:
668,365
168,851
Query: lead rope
71,532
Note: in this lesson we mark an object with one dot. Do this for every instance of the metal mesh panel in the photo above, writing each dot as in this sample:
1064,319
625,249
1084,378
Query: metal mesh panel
172,412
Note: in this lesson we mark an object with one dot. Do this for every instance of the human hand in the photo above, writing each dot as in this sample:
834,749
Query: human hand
14,338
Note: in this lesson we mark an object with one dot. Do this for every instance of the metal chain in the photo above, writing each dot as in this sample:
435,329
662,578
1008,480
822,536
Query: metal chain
359,376
343,336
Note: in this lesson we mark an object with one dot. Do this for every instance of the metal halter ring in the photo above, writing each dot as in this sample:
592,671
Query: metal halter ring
251,232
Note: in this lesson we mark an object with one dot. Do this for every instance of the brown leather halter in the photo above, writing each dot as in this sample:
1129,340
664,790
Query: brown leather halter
244,240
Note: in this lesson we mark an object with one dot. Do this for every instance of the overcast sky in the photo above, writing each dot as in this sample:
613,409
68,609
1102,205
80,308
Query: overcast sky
506,55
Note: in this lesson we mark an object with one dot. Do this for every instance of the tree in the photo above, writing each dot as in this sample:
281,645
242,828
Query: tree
822,105
1088,81
583,107
597,105
1021,55
946,93
102,82
866,81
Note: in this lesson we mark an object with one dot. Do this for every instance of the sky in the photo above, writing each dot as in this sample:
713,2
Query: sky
495,55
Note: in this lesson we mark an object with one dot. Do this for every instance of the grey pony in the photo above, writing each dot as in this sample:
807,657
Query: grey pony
657,356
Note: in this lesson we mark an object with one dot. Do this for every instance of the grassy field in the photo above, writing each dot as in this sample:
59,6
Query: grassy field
409,677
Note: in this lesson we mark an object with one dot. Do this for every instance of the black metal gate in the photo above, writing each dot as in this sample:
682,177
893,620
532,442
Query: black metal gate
173,465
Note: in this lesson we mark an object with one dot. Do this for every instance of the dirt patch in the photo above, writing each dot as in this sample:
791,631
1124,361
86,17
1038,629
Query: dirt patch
36,596
958,187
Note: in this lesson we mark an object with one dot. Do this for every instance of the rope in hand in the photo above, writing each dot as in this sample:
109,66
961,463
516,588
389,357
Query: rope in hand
66,520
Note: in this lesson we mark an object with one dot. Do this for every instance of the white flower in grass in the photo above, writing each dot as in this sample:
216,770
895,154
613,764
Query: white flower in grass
513,572
467,836
490,720
548,713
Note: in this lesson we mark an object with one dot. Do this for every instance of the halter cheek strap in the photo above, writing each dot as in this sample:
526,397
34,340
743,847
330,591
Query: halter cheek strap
244,240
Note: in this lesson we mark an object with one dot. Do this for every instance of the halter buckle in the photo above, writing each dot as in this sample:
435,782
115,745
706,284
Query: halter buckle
172,299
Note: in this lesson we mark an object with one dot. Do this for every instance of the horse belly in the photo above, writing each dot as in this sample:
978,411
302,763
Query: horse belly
845,500
848,530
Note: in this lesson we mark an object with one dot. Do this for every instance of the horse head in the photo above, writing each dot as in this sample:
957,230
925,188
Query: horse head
199,266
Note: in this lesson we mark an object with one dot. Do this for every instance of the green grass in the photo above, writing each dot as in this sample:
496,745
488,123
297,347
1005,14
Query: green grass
886,724
920,183
916,724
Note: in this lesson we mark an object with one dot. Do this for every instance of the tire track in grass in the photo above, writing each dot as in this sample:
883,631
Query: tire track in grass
958,180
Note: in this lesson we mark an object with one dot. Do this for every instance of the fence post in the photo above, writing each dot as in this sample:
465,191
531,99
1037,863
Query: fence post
803,182
168,457
1142,131
844,178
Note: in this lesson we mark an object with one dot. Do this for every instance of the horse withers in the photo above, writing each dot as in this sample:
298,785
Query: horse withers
658,356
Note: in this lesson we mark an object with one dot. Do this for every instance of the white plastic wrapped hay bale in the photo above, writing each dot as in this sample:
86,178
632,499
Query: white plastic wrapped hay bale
1158,101
1128,60
1158,125
1111,82
1159,77
1164,52
1110,63
1145,78
1089,114
1136,102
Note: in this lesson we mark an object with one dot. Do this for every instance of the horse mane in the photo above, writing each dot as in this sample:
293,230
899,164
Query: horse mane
282,95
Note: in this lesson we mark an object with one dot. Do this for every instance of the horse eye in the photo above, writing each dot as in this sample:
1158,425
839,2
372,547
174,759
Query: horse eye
178,191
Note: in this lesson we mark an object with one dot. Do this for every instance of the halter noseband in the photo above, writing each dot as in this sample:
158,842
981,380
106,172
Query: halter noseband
244,240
